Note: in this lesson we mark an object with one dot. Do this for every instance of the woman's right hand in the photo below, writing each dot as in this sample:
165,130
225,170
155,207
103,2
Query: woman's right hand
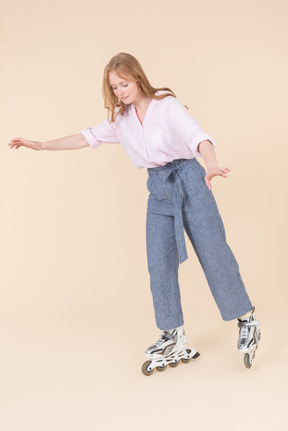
19,142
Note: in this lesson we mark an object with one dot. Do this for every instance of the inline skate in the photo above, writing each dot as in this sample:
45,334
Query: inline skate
249,336
170,349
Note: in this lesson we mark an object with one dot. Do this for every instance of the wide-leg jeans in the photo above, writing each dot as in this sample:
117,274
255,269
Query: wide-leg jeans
180,199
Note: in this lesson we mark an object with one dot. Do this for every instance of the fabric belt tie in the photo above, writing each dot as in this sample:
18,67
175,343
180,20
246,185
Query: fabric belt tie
178,200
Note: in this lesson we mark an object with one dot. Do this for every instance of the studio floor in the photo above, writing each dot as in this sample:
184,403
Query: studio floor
68,375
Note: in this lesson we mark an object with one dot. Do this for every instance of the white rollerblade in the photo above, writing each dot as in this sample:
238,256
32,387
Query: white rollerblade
249,336
168,350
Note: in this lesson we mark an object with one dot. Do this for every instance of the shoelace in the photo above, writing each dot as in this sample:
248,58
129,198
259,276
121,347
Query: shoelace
244,332
245,329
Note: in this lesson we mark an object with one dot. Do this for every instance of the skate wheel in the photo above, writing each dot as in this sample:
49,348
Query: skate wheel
161,368
247,360
145,369
173,364
185,361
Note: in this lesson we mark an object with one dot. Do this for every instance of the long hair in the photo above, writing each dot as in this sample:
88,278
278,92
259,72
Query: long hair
124,64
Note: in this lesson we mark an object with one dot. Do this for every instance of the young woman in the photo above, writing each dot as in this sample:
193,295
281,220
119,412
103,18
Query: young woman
158,133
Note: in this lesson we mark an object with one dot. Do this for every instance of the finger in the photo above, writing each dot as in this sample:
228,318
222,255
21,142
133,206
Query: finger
208,183
224,172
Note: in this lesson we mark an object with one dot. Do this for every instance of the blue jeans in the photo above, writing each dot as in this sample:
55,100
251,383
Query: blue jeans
180,199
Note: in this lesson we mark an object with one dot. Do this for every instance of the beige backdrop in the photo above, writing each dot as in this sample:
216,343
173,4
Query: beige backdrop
76,311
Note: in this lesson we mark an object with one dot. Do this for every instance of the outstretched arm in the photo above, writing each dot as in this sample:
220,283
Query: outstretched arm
207,151
73,142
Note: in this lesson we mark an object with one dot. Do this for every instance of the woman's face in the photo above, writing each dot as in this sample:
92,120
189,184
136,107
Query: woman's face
125,88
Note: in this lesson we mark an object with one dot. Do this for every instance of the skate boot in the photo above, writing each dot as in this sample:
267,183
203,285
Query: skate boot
249,336
168,350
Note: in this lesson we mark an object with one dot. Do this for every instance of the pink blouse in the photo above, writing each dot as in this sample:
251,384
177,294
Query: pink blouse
168,132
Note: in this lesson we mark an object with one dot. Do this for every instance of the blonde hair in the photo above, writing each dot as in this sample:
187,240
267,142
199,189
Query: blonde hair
124,64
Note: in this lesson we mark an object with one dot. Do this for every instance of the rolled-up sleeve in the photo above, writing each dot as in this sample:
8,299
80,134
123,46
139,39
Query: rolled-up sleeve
104,132
190,129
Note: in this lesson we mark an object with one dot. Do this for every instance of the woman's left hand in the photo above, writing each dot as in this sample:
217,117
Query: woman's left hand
214,170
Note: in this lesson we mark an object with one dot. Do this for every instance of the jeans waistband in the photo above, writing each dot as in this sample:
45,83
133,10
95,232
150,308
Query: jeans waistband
174,165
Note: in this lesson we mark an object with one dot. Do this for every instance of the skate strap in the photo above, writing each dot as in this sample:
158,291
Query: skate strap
167,335
252,323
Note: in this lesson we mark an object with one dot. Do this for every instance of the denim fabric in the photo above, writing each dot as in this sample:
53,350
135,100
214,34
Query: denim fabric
180,199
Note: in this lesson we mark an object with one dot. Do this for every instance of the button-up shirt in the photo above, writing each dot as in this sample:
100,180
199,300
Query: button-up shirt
168,132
